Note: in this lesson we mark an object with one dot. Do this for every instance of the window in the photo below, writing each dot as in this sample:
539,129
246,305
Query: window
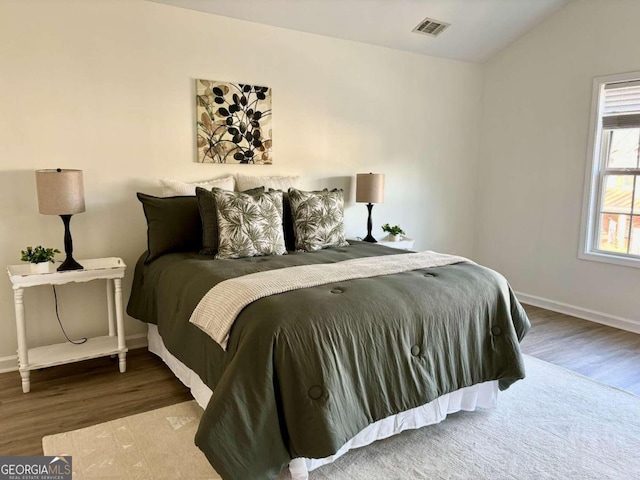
611,223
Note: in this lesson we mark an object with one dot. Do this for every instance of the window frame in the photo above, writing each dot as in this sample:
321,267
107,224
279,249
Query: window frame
594,180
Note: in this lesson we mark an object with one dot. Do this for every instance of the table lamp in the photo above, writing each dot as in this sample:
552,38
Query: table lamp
61,192
369,190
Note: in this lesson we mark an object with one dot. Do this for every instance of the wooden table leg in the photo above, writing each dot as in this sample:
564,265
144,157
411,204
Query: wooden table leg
120,324
110,307
23,350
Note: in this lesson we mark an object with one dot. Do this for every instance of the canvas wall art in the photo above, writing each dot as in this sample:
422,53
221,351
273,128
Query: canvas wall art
233,123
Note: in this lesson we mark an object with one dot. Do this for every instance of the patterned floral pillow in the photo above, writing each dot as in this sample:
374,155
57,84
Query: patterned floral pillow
249,225
318,219
209,216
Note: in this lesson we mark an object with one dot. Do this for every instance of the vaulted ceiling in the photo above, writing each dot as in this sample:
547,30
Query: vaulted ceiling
479,28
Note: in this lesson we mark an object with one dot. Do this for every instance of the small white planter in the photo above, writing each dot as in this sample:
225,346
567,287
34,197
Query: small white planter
42,267
395,238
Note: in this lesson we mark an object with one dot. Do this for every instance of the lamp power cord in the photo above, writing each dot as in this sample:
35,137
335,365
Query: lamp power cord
75,342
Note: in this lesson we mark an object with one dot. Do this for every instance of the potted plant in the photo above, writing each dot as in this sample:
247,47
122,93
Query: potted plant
39,257
395,232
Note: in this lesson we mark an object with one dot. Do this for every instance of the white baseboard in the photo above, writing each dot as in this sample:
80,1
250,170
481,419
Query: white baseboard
136,341
584,313
10,363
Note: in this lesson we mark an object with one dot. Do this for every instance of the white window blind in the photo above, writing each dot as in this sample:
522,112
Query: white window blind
621,97
621,105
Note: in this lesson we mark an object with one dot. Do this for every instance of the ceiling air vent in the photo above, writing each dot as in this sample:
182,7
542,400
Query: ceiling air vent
431,27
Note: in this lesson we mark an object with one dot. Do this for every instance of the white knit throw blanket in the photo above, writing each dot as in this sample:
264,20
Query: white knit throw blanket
220,306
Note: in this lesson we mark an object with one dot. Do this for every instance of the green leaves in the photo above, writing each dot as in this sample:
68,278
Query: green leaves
38,254
395,230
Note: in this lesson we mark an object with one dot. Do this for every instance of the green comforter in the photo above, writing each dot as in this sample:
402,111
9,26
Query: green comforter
308,369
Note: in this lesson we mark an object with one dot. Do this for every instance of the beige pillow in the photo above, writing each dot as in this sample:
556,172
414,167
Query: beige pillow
173,188
284,183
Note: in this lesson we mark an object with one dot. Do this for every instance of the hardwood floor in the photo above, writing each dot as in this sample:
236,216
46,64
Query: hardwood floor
82,394
602,353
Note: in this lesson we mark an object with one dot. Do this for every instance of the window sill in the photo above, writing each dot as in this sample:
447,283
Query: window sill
610,258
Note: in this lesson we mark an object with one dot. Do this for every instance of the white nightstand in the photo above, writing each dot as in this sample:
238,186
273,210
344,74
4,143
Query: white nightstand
109,269
405,244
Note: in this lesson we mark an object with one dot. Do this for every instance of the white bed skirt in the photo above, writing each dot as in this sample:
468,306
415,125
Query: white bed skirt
483,395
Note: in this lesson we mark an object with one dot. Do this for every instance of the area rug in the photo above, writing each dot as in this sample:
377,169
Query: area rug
554,425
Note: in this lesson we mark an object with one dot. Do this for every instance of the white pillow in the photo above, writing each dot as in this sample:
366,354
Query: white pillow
173,188
247,182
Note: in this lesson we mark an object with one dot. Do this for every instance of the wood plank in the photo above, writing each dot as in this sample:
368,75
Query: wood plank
81,394
602,353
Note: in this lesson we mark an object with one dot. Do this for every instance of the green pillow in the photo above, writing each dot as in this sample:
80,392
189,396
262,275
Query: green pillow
173,225
209,218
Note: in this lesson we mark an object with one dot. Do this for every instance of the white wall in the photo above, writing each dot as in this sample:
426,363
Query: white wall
107,86
537,100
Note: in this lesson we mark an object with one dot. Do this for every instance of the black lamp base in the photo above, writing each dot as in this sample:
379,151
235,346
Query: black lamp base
69,263
369,238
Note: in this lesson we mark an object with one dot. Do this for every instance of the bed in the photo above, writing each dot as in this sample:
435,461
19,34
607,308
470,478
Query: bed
308,374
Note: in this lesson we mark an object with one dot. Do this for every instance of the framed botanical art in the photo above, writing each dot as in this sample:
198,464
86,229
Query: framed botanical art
233,122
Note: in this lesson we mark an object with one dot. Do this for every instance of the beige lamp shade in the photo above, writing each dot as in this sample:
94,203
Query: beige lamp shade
60,191
370,187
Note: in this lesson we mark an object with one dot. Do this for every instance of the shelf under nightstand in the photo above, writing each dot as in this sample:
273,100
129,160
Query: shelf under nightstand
61,353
